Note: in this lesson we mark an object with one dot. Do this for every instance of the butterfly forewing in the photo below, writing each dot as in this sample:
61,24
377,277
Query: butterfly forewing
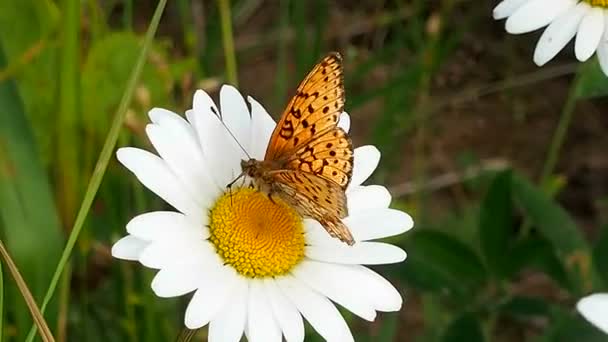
315,109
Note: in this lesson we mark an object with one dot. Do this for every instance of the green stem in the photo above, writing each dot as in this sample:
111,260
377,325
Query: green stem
560,133
555,147
229,54
104,159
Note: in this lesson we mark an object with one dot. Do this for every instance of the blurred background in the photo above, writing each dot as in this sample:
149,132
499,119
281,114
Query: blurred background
510,223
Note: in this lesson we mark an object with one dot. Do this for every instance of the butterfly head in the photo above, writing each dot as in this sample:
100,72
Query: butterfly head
252,168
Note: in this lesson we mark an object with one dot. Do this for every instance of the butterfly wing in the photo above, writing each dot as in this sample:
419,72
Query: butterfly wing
329,156
315,109
315,197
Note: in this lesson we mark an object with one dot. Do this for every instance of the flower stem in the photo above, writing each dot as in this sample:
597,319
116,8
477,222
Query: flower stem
102,162
229,54
560,133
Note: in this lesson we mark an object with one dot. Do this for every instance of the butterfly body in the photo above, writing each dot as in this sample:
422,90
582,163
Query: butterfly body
309,160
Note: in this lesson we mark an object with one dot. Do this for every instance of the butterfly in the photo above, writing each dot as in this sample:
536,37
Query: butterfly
309,160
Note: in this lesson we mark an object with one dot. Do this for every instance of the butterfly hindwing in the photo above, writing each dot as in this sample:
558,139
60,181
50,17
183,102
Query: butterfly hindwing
316,196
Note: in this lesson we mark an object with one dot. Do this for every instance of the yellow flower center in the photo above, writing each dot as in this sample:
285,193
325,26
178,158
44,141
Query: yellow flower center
257,237
597,3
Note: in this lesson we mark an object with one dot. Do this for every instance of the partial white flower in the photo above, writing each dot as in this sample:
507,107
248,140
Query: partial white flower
595,309
255,267
587,20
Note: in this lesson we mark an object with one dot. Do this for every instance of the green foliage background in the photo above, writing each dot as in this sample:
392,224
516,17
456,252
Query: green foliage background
506,261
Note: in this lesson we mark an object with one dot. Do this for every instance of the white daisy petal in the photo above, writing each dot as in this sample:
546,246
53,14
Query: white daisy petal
154,174
559,33
211,296
366,159
178,252
378,290
595,309
365,253
344,122
176,281
589,33
176,142
602,49
220,148
378,223
157,115
261,325
235,114
328,280
367,197
506,8
318,310
228,325
129,248
286,314
535,14
262,126
162,225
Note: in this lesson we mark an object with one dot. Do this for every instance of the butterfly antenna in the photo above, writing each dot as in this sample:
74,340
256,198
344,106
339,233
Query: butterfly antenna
232,135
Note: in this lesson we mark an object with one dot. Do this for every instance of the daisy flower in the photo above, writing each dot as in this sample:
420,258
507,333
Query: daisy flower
595,309
255,267
565,19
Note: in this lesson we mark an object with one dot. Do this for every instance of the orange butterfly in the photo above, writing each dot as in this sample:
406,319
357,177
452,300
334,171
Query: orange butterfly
309,160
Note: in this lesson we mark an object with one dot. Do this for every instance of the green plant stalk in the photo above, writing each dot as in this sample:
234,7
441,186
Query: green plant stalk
281,73
228,40
127,16
39,321
64,304
555,147
560,132
67,176
104,159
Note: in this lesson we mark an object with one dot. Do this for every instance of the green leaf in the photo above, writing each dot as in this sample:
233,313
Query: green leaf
495,223
464,328
29,217
439,262
552,221
600,256
538,254
592,81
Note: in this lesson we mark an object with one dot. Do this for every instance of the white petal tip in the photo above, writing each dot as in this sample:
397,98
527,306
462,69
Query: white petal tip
595,309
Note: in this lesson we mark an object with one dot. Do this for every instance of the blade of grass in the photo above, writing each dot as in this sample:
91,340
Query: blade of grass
281,73
67,176
45,332
104,159
228,40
